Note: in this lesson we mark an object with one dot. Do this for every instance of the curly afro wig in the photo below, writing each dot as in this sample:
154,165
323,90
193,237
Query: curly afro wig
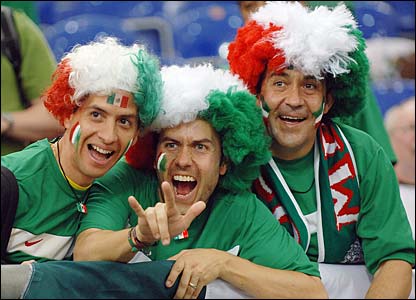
221,99
323,42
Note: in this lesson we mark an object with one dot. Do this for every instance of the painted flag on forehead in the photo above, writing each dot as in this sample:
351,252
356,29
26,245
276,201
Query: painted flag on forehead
75,133
118,100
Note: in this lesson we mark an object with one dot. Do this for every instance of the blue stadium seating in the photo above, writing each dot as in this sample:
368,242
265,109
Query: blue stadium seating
201,30
376,18
154,32
391,92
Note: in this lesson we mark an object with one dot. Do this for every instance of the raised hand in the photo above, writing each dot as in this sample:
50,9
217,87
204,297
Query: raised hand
163,221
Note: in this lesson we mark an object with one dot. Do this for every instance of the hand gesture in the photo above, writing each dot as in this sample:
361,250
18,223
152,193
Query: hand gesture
198,268
163,221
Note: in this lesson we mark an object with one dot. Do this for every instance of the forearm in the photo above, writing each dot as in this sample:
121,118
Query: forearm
34,123
98,244
264,282
393,280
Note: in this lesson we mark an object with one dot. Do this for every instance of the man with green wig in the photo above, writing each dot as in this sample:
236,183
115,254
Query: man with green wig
332,186
194,216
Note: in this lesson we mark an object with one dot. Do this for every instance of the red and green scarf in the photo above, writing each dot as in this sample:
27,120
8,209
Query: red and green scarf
337,194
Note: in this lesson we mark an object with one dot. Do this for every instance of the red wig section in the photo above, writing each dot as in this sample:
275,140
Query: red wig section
142,154
58,97
253,50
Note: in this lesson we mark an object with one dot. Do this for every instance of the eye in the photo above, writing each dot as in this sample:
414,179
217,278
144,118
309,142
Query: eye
170,145
201,147
95,114
125,122
279,83
310,86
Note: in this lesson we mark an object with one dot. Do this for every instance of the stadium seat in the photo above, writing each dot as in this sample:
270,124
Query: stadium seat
154,32
376,18
391,92
200,30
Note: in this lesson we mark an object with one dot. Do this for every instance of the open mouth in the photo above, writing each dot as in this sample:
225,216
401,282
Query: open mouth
183,184
291,119
99,153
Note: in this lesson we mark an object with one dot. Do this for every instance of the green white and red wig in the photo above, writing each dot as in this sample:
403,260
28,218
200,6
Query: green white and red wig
322,42
101,67
221,99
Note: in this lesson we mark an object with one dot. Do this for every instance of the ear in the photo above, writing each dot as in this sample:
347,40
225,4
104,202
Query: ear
223,167
68,122
329,102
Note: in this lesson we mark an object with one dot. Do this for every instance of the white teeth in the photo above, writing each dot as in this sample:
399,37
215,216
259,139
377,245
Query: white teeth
292,118
102,151
183,178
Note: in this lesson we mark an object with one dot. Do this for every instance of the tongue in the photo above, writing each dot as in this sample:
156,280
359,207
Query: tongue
98,156
184,188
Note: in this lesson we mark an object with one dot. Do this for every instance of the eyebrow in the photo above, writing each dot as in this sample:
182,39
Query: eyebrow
201,141
95,107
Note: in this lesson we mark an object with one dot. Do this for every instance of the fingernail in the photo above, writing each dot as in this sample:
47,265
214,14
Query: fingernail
169,283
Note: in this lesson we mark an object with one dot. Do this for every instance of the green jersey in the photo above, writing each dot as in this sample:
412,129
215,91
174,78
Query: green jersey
230,221
382,231
47,217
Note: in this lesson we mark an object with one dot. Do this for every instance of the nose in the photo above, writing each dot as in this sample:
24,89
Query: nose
108,132
183,158
294,97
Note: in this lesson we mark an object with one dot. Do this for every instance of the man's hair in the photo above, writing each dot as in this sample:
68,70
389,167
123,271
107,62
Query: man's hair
323,42
100,67
221,99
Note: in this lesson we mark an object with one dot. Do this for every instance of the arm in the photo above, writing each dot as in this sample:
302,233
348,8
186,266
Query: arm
202,266
392,280
155,223
32,124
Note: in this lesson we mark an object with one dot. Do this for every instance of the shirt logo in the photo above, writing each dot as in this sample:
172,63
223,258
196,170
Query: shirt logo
28,244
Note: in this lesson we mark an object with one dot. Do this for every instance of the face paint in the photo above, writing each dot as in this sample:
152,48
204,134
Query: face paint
75,134
118,99
161,162
264,107
127,148
319,113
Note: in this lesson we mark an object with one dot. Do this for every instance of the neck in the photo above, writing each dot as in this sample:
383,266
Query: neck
64,152
286,153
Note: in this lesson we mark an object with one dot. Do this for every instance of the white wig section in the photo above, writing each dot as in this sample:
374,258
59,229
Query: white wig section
316,41
103,66
185,91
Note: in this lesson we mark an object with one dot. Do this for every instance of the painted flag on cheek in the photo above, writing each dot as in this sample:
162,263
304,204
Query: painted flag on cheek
161,162
75,134
118,100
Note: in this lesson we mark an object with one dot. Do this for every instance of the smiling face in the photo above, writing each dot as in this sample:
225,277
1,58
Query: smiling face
292,98
97,135
193,161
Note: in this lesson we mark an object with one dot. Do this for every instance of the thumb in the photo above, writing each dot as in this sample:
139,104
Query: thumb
194,211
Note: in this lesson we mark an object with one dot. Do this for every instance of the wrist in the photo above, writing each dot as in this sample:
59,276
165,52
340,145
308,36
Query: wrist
7,119
136,244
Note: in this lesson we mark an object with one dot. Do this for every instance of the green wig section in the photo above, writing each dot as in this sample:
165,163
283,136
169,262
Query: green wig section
245,143
350,90
149,81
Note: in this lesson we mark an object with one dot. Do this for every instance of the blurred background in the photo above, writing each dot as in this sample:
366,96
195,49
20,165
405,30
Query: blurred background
182,32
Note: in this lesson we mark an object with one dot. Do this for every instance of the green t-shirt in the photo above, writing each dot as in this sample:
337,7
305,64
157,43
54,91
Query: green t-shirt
229,221
37,66
46,217
382,225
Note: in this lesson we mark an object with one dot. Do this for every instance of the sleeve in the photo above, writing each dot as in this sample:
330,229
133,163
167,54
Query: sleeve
38,61
268,243
383,226
107,204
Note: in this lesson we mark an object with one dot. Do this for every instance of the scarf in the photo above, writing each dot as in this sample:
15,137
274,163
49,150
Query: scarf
337,198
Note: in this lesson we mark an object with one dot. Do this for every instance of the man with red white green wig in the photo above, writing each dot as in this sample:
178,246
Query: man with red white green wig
330,185
205,148
103,93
